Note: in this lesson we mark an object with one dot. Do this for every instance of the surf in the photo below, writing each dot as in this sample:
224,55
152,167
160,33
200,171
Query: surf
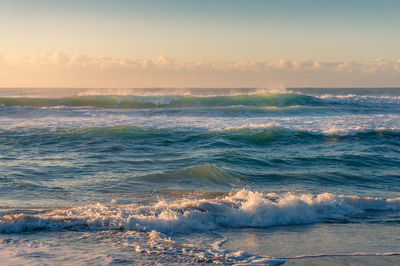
167,101
244,208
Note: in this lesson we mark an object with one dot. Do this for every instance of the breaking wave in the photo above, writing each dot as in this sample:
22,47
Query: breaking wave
192,101
244,208
254,134
146,102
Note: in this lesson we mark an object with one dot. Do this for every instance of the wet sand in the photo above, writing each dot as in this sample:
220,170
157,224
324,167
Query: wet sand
367,260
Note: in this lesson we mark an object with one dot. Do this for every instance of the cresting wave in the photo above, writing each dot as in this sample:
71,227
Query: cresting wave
256,135
184,101
173,101
243,208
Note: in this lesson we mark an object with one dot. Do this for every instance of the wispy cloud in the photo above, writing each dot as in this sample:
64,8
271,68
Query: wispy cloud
63,70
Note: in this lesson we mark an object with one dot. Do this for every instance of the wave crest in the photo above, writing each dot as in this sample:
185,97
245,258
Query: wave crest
241,209
147,102
260,99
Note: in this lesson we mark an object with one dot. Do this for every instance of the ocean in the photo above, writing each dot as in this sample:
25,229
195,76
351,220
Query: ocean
198,176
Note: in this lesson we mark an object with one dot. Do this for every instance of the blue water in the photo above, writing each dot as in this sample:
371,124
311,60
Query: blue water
195,176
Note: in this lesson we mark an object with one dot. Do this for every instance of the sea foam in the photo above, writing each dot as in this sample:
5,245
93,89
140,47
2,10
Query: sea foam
243,208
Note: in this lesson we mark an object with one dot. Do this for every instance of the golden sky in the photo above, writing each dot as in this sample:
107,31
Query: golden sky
185,43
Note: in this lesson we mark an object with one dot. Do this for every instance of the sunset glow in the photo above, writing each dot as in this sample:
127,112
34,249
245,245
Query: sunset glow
199,43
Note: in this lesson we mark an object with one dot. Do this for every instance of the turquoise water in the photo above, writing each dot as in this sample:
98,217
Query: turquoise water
195,176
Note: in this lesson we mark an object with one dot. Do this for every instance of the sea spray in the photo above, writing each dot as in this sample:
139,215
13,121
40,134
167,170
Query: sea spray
243,208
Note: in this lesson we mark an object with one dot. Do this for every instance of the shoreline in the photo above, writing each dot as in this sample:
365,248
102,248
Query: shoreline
360,260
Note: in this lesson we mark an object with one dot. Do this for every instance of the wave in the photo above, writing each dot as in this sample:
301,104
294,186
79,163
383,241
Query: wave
199,175
254,134
386,92
362,101
148,102
69,92
190,101
240,209
81,116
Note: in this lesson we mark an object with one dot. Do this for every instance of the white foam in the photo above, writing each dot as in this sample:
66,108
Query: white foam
160,245
149,246
147,228
241,209
20,118
31,252
363,101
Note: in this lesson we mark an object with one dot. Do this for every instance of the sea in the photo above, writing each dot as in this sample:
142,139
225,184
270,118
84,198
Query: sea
198,176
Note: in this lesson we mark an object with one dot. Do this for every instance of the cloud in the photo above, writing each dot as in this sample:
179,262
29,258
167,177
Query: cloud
397,65
63,70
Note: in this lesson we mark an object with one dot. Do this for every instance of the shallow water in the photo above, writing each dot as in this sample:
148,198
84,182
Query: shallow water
197,176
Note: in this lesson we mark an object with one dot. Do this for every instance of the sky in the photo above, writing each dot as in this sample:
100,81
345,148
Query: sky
208,43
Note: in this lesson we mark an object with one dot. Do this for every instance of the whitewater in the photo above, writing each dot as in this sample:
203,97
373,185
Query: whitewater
196,176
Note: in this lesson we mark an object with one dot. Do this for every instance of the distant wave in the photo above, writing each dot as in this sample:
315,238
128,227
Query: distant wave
362,100
207,92
257,135
148,102
179,101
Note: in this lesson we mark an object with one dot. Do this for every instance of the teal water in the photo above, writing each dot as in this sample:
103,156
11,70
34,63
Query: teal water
198,176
